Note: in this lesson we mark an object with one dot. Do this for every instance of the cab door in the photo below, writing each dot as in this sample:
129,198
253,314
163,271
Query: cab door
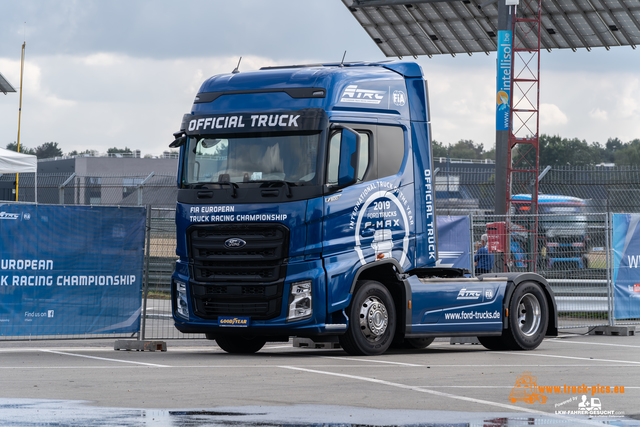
347,241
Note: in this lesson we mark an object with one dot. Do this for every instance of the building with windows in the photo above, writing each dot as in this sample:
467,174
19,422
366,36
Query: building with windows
106,180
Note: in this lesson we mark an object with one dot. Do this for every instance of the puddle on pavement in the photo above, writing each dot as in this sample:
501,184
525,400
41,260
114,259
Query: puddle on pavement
40,412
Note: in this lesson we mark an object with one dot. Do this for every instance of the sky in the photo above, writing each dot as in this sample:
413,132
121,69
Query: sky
121,73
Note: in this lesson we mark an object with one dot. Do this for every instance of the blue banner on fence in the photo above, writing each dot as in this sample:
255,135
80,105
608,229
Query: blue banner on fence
626,266
68,270
453,241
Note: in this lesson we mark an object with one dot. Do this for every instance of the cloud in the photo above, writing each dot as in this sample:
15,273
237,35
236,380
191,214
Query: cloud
552,115
105,100
599,115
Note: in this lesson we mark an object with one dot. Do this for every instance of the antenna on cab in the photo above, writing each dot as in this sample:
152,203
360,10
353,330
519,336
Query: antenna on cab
237,69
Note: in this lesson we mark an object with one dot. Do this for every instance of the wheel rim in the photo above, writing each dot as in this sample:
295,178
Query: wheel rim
529,314
374,318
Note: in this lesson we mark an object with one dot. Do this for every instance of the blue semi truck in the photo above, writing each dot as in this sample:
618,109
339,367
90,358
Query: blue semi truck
306,209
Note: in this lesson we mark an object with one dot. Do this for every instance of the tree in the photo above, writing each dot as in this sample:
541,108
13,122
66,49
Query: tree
491,154
466,149
13,146
628,154
612,146
115,150
557,151
75,153
438,149
48,150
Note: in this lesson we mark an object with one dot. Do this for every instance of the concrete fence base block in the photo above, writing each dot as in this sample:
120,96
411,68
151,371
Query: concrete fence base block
464,340
614,330
140,345
309,343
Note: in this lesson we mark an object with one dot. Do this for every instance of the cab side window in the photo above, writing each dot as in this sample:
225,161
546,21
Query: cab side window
334,157
390,145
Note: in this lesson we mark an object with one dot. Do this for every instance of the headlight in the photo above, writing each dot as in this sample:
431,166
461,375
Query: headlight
182,307
300,299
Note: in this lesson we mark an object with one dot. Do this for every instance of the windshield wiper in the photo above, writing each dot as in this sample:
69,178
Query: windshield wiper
286,184
233,186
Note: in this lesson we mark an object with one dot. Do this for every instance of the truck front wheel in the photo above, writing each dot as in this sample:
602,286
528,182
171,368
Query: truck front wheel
372,320
240,345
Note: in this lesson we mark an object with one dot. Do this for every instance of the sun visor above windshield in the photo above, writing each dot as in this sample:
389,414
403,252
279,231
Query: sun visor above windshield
310,119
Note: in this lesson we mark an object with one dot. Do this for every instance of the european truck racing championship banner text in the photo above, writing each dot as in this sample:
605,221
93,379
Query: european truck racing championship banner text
68,270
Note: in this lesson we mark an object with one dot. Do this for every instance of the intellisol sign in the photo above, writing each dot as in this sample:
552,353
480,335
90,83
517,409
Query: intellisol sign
503,92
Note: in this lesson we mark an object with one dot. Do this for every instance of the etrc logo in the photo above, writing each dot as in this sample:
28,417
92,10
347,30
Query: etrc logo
465,294
362,96
7,215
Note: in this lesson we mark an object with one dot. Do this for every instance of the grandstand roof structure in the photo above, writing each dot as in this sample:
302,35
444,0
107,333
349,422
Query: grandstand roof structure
430,27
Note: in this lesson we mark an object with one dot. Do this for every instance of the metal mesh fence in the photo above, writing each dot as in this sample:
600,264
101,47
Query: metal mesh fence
71,189
159,265
464,188
568,250
578,270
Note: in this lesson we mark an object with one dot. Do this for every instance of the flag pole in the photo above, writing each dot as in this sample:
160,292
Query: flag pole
20,112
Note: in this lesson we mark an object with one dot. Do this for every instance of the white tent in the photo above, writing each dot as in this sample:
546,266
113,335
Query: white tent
12,162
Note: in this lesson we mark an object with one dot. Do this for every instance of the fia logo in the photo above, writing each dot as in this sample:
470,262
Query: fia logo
398,98
488,293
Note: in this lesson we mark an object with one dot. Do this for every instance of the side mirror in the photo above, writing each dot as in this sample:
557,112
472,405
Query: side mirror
348,167
180,140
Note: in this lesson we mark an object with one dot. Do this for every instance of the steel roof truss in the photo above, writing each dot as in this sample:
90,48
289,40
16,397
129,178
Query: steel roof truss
446,22
468,27
377,27
571,24
417,37
435,31
590,24
393,29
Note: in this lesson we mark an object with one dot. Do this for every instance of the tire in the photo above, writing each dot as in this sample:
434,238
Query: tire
528,317
240,345
372,323
527,323
417,343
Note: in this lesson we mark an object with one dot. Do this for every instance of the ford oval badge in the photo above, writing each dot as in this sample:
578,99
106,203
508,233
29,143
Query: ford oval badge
234,243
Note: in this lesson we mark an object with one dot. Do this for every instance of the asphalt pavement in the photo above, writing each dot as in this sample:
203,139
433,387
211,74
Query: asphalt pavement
574,379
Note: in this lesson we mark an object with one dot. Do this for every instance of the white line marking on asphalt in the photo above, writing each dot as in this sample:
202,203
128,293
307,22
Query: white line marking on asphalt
368,360
438,393
569,357
556,340
104,358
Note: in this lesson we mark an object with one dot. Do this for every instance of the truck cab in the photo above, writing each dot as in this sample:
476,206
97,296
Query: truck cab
305,201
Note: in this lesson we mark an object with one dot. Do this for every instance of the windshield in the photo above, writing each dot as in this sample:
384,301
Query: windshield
291,158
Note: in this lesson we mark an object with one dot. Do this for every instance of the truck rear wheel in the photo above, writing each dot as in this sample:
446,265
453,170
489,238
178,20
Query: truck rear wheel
528,317
240,345
527,323
372,320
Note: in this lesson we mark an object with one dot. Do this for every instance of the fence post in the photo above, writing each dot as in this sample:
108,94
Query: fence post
62,187
608,248
142,185
471,266
145,279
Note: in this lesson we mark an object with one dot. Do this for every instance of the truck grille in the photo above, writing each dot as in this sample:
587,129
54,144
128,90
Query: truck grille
246,281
